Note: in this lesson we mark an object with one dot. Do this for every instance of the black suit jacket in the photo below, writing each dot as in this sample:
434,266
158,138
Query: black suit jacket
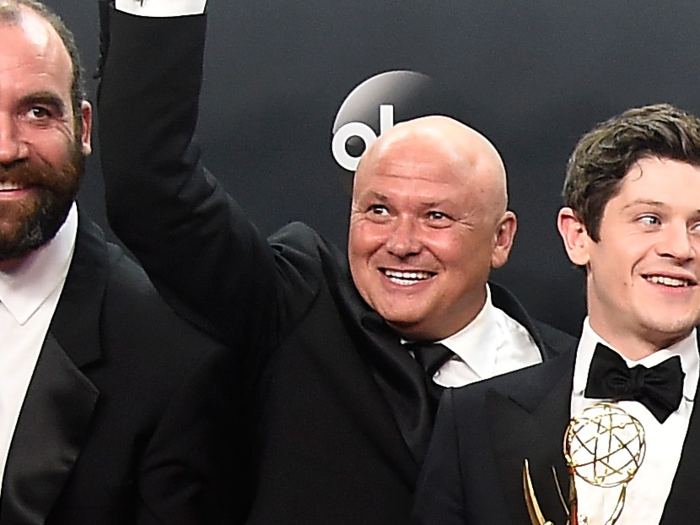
127,416
339,408
484,432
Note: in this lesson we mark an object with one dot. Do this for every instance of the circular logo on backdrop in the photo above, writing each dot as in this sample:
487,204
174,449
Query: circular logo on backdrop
374,106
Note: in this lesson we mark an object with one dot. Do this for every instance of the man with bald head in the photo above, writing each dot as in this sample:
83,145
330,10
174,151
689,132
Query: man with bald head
340,375
429,215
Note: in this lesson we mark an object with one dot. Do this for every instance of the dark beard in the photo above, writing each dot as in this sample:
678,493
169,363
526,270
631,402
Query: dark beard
27,226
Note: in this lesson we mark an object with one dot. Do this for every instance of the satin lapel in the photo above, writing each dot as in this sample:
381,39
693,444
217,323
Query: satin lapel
683,500
76,322
51,430
531,420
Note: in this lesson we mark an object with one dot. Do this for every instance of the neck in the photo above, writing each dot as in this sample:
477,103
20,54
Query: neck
636,345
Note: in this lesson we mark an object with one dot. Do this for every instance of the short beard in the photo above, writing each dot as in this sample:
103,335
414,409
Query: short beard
39,221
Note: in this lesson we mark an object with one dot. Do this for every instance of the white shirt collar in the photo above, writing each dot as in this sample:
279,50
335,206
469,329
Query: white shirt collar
687,349
25,289
483,332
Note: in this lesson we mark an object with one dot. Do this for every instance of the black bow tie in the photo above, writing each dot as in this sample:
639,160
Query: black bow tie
659,388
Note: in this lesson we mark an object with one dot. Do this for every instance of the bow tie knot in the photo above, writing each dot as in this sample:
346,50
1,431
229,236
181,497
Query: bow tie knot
659,388
632,383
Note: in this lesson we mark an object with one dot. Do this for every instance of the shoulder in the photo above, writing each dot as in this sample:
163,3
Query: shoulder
301,241
129,343
558,340
475,393
132,303
526,386
301,250
550,340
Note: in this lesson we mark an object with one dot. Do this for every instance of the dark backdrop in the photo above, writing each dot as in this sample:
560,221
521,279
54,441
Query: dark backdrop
531,75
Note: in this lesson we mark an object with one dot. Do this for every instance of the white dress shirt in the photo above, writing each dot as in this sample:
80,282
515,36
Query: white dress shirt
492,344
28,299
649,489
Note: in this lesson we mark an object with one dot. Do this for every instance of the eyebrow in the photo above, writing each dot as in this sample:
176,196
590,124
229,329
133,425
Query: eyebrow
45,97
427,203
437,203
645,202
376,195
650,202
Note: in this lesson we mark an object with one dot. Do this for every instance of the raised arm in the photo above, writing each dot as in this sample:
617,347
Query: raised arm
203,254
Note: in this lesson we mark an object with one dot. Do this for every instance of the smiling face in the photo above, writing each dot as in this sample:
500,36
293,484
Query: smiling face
40,156
428,222
643,273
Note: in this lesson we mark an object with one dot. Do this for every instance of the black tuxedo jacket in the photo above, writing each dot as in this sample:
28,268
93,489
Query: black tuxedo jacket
339,408
127,416
484,432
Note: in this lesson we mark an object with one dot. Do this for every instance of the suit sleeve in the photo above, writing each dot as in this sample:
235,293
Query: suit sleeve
202,253
439,495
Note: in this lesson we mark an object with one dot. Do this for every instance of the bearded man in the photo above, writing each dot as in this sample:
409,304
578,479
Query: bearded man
111,407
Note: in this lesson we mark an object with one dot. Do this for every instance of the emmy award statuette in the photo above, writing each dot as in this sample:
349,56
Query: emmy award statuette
603,446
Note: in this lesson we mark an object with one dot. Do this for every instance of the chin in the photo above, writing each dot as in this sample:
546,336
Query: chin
402,324
671,330
399,320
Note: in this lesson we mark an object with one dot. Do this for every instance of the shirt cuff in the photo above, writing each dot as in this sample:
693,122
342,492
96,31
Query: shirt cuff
161,8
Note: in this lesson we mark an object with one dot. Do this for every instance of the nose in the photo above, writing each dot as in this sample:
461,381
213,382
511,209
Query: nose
678,243
12,146
404,239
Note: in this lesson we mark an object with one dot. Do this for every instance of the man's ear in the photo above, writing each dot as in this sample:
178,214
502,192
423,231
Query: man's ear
575,236
86,128
505,235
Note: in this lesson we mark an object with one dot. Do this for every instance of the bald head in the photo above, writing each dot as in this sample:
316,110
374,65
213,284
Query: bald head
448,144
427,224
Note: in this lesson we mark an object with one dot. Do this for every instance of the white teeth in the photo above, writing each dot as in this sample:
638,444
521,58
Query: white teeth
667,281
8,185
406,278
